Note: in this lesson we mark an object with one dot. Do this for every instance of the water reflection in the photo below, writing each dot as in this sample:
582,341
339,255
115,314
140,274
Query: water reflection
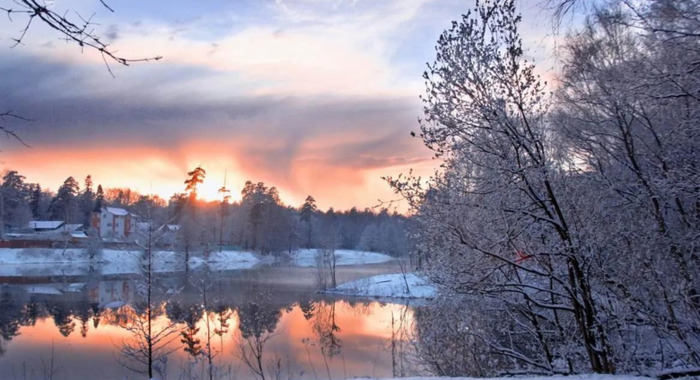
240,325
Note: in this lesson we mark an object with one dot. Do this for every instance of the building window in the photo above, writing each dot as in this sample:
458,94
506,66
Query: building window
109,224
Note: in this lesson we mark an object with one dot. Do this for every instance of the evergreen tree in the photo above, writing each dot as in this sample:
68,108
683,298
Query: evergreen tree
14,196
99,199
306,214
267,218
64,206
196,177
87,201
35,196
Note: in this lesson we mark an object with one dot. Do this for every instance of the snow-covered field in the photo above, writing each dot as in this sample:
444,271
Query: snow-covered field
388,286
307,257
46,262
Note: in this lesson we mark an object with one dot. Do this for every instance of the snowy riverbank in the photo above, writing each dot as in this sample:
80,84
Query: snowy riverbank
307,257
48,262
68,262
388,286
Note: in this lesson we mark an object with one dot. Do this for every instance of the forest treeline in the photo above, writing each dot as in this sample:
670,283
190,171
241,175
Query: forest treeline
260,221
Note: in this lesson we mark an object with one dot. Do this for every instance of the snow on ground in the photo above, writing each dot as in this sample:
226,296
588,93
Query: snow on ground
225,260
67,262
229,260
46,262
556,377
41,256
388,286
307,257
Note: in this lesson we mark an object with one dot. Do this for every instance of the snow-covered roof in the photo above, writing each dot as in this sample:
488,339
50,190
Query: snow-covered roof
173,227
116,211
72,227
79,235
45,224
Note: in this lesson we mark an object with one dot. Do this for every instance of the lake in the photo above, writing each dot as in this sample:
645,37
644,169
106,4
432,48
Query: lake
267,322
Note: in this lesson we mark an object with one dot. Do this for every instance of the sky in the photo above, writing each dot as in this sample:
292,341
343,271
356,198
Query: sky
315,97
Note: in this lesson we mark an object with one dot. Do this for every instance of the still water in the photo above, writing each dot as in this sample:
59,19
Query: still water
268,322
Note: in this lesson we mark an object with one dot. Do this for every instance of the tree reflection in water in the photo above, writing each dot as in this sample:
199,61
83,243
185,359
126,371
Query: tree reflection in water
193,345
62,318
257,323
10,316
148,346
326,330
246,318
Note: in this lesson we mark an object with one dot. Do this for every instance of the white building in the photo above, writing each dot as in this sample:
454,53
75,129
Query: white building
112,223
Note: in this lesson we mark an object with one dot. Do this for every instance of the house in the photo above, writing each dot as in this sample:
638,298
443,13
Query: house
167,234
50,230
112,223
45,225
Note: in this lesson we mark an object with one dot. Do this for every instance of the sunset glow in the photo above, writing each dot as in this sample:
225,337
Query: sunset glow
311,97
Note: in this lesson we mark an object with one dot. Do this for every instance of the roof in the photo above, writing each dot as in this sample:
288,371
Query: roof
116,211
45,224
72,227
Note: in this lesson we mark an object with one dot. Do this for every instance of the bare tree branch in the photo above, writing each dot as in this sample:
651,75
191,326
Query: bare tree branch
9,132
79,32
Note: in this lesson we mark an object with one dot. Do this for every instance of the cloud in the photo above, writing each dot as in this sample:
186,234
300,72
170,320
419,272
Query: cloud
304,47
313,96
287,141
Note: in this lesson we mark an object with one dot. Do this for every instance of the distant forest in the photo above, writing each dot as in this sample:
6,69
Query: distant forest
260,222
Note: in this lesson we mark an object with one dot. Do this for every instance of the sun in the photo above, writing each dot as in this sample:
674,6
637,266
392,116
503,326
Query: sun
209,189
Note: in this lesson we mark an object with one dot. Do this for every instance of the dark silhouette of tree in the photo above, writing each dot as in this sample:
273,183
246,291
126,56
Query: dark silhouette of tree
14,206
33,311
223,211
83,312
326,329
64,206
193,345
306,214
99,199
62,318
87,201
190,229
257,323
10,315
268,222
196,177
308,308
35,196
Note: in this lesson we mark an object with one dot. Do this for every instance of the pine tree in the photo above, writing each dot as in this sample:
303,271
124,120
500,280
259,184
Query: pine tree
306,214
64,206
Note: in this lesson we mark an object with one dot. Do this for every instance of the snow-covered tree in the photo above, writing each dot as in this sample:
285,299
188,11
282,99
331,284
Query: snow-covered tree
15,195
575,218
